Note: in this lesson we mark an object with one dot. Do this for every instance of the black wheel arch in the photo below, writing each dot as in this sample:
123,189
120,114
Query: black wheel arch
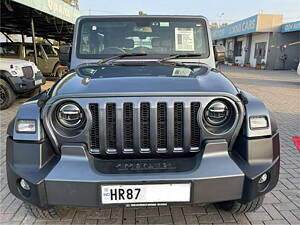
5,75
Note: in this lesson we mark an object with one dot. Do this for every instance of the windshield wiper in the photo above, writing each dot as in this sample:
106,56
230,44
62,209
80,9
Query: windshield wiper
177,56
125,55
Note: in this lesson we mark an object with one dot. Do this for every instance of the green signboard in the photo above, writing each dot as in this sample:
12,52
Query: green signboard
56,8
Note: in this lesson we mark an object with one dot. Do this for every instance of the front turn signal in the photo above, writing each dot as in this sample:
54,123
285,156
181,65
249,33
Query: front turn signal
26,126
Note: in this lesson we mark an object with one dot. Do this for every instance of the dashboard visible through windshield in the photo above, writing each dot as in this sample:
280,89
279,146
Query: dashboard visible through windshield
100,38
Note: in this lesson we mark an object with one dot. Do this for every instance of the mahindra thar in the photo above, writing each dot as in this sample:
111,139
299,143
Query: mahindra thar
142,118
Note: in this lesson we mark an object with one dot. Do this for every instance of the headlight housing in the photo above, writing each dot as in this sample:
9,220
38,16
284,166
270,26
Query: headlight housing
219,116
70,115
217,113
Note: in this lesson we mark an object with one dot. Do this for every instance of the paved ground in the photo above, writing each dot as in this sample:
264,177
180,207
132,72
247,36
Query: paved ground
280,90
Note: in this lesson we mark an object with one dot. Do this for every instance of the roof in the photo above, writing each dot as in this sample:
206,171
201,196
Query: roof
52,18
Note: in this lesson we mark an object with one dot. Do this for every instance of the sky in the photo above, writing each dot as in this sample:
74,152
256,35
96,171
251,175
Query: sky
219,11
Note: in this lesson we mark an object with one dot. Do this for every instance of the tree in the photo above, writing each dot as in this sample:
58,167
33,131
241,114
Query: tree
141,13
73,3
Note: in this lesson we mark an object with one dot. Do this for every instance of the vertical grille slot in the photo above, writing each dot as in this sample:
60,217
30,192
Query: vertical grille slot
128,125
94,132
162,125
195,130
111,125
145,125
178,125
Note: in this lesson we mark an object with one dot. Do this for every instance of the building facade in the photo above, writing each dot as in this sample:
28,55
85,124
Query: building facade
261,40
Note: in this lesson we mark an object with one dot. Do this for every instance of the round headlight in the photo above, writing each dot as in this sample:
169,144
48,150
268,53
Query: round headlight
70,115
217,113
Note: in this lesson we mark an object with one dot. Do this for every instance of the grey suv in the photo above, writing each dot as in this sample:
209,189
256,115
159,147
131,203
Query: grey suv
142,119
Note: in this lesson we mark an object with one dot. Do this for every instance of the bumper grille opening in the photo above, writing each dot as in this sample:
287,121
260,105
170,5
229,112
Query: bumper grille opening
145,125
94,132
111,125
162,125
128,125
178,125
195,130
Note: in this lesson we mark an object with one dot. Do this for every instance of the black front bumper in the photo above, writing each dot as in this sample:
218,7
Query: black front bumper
71,179
23,84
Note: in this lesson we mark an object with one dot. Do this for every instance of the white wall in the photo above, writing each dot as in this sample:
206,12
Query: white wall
257,38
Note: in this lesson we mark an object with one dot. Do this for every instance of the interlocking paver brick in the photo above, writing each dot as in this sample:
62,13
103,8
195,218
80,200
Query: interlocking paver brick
160,220
280,91
191,220
146,212
177,215
192,210
209,218
164,211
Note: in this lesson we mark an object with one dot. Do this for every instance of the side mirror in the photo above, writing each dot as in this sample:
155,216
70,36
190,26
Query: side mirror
65,55
219,51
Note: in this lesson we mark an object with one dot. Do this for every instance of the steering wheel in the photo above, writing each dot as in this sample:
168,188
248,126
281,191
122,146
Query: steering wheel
113,50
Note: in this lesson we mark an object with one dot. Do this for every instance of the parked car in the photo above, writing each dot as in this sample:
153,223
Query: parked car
298,69
142,119
18,77
47,58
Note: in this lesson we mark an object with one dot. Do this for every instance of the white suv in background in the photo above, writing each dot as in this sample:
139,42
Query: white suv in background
18,77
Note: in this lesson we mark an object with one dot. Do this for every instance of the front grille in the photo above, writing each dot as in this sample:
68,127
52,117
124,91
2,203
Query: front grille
111,127
27,72
144,127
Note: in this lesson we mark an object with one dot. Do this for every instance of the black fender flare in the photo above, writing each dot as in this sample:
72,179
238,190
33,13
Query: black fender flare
5,75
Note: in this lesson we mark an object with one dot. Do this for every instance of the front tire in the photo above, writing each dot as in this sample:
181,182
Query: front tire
60,71
7,95
45,214
237,207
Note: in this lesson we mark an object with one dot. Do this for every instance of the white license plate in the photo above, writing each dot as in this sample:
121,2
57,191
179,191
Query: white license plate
145,193
37,82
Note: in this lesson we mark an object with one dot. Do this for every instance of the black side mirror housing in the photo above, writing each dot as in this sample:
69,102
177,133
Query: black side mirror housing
65,55
219,51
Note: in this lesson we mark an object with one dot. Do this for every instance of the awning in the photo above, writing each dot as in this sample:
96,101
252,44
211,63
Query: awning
53,19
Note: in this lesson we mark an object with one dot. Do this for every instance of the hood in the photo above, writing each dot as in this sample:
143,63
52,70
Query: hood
73,84
19,62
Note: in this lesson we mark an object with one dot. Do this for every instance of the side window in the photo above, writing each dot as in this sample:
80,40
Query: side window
29,50
9,49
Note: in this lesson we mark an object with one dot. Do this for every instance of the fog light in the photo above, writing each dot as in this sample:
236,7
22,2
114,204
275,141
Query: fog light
24,185
263,178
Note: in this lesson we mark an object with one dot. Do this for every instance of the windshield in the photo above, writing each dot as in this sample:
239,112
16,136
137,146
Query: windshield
146,70
99,38
7,49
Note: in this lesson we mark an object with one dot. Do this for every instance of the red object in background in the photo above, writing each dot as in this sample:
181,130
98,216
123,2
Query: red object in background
297,142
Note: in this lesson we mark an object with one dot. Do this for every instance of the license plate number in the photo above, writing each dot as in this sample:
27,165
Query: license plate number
146,193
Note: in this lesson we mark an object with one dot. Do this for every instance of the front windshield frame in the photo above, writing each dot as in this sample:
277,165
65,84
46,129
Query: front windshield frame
134,19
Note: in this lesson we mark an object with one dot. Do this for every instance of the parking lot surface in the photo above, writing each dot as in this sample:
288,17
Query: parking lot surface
280,91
